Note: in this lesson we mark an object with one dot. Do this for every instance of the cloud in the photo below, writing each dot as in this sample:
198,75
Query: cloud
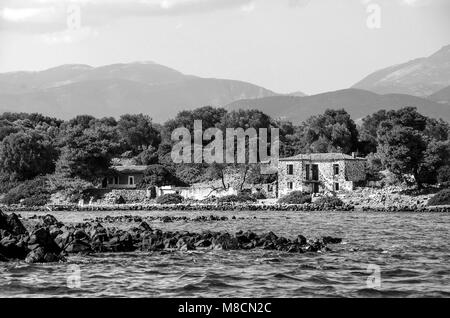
248,7
69,36
415,3
26,10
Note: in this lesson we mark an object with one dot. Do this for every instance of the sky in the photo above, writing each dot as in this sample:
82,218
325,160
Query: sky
311,46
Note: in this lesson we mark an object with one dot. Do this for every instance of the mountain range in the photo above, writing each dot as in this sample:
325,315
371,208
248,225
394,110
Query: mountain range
420,77
112,90
357,102
146,87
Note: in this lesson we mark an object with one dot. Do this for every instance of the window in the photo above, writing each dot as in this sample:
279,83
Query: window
290,169
130,180
336,169
307,167
116,180
290,185
336,186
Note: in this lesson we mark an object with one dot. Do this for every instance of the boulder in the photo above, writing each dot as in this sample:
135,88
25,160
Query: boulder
49,219
331,240
144,227
13,247
226,242
40,255
301,240
12,224
42,238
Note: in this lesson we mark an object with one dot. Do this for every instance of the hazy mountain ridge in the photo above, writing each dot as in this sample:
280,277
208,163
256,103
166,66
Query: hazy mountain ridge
442,96
358,103
112,90
419,77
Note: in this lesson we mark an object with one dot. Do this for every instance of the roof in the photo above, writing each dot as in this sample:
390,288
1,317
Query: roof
332,156
130,169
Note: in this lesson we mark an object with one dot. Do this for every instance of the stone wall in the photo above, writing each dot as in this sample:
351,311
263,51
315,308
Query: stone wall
203,193
129,195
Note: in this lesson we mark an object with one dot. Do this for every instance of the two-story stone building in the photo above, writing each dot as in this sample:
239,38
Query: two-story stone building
320,173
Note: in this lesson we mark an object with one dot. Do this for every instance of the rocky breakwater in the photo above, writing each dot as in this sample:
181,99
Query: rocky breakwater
51,241
164,219
185,207
37,246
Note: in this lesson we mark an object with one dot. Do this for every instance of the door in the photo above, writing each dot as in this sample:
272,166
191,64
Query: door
315,172
315,188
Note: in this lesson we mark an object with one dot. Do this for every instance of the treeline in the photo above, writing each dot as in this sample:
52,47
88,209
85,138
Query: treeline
69,156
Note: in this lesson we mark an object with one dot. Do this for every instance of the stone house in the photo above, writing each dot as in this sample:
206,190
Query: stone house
320,173
124,177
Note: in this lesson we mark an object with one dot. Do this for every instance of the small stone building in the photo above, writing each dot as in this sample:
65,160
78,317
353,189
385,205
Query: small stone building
125,177
320,173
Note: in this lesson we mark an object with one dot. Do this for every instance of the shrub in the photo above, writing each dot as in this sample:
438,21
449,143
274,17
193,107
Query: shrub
260,195
440,198
6,184
158,175
295,197
68,189
329,201
30,193
239,198
443,175
171,198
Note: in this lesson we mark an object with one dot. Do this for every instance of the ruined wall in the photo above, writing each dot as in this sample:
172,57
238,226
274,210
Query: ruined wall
130,196
203,193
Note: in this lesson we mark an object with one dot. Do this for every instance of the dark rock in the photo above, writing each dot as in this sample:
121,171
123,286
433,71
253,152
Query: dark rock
49,219
13,247
331,240
301,240
12,224
203,243
3,258
226,242
15,225
78,246
269,237
40,255
120,200
144,226
42,238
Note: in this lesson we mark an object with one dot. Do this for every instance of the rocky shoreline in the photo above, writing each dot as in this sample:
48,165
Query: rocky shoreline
227,207
49,240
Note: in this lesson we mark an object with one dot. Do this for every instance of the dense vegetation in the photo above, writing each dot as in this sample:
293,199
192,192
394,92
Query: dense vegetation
67,156
237,198
171,198
440,198
295,197
329,202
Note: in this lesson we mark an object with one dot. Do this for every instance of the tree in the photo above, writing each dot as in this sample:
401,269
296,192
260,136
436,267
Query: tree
24,155
138,132
87,147
401,149
436,155
209,116
368,131
148,156
158,175
332,131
